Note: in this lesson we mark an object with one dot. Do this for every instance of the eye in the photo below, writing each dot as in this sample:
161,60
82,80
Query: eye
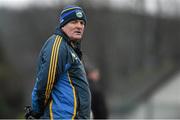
82,22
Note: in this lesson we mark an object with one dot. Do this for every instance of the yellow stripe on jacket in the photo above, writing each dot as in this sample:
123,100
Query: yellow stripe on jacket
52,67
74,95
50,109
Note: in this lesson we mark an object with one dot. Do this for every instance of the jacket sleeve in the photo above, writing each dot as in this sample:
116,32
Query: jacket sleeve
46,73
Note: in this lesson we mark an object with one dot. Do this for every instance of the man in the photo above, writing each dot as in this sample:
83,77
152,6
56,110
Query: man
61,90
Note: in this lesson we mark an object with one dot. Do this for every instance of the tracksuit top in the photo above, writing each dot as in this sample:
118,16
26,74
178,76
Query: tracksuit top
61,89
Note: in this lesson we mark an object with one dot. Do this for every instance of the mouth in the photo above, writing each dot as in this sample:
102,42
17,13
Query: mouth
78,32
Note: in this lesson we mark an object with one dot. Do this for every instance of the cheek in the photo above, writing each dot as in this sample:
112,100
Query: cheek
69,32
83,31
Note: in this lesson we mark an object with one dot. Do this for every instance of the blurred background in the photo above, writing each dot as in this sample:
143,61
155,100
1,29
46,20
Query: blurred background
134,43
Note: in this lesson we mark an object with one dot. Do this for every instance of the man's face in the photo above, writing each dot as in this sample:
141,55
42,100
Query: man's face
74,29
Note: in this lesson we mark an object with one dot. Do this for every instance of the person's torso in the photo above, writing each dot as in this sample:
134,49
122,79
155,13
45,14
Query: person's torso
70,93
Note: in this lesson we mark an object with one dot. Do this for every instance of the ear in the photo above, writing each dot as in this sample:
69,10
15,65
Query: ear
63,29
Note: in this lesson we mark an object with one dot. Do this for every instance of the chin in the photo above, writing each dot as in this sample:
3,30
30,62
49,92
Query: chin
77,38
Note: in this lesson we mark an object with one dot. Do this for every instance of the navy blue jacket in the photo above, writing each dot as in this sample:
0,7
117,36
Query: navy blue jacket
61,89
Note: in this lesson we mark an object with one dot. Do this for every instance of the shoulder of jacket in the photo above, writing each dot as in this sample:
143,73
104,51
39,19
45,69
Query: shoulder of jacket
51,40
63,44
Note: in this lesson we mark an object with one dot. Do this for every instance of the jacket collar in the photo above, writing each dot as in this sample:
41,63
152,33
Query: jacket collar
58,31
